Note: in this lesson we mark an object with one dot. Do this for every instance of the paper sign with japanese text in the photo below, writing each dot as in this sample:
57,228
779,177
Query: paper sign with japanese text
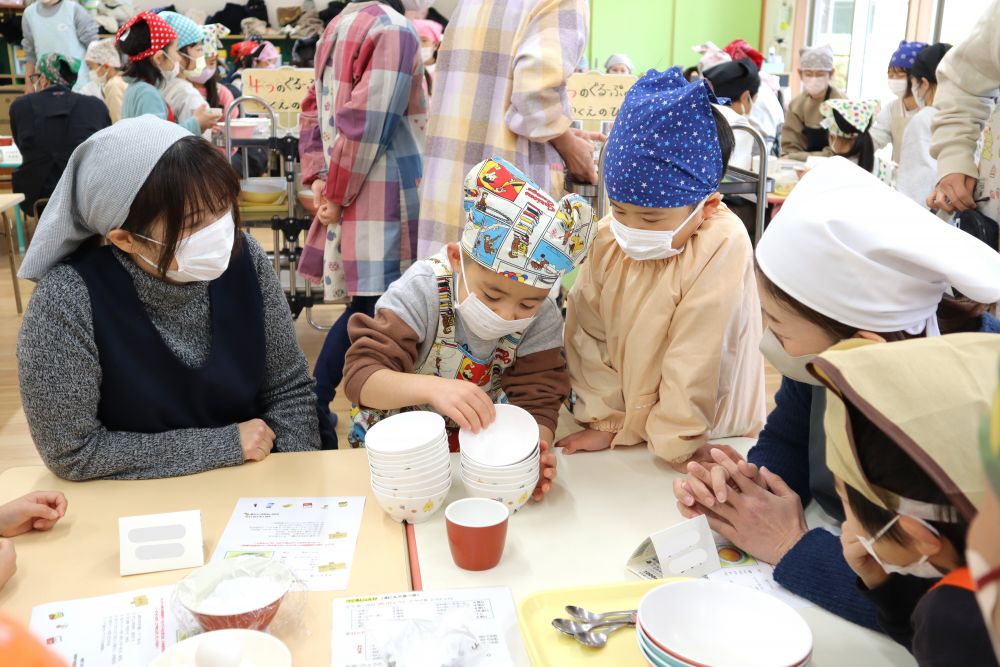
596,96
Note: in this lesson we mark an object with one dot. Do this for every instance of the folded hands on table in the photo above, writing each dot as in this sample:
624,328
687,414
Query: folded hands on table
751,507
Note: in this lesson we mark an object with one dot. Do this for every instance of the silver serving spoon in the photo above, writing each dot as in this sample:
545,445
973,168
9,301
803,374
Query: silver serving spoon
587,616
599,639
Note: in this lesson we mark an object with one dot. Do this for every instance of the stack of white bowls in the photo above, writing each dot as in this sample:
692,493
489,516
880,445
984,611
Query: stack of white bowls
679,625
502,461
410,464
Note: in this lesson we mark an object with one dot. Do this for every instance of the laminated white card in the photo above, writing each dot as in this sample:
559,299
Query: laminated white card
684,550
159,542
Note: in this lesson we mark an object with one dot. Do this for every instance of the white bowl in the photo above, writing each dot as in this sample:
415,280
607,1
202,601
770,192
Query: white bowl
510,439
405,432
405,484
415,492
513,500
682,619
262,648
436,448
430,460
523,466
502,484
413,510
390,474
503,477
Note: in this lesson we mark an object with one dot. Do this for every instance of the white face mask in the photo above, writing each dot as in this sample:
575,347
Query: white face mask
482,322
793,368
427,53
173,71
986,595
643,244
199,67
815,85
921,102
898,87
203,255
921,568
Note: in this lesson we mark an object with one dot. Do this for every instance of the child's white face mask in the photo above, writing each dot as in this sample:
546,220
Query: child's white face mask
920,568
643,244
480,320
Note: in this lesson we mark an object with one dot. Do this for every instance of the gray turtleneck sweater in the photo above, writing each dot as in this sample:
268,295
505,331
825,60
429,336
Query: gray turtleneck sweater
60,376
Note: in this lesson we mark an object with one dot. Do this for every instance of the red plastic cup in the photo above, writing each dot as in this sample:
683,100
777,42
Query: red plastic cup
477,530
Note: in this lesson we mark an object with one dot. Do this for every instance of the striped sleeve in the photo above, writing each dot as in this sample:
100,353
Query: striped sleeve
552,42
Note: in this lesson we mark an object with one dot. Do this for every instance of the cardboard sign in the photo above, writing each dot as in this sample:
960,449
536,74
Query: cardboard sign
283,88
596,96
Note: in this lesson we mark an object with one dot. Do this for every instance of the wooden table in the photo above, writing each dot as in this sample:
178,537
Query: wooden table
7,202
604,505
79,557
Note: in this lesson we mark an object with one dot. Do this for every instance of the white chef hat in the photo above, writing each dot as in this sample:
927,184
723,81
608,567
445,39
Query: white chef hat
849,247
103,52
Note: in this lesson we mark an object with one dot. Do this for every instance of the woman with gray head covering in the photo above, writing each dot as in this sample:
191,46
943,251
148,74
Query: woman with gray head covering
619,63
169,349
803,134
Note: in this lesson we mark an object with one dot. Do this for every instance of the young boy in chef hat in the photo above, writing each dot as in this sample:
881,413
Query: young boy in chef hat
902,424
847,257
474,324
663,323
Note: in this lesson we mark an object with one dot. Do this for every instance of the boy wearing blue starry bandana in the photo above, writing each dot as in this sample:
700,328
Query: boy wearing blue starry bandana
663,323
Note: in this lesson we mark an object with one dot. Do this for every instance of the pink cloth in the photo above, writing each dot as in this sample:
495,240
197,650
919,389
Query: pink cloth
427,28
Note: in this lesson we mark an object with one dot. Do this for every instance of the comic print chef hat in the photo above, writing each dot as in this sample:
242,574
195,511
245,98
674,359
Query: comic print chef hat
518,231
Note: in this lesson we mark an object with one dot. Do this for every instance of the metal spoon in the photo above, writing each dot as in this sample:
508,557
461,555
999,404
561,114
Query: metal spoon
587,616
573,628
598,639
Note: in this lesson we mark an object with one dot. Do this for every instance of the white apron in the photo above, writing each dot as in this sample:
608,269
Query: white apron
57,34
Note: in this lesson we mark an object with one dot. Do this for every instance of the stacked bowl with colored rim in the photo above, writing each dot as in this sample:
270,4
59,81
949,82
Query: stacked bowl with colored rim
703,623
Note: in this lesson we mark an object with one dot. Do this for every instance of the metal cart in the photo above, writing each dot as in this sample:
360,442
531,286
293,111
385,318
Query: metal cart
737,181
287,229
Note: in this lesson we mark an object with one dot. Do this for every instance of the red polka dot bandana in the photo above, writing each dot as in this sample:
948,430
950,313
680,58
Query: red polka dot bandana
160,34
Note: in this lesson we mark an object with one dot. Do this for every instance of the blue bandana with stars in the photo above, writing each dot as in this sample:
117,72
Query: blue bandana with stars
904,55
664,151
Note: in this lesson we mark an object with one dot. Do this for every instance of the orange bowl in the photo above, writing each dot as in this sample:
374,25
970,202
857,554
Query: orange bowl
243,593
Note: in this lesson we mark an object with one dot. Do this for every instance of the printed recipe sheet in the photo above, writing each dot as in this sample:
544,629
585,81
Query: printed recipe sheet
314,537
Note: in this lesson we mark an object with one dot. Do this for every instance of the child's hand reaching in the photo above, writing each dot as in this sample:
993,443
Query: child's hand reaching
587,440
547,475
8,561
465,403
38,510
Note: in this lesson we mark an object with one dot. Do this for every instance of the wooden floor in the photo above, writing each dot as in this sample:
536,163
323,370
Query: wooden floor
16,448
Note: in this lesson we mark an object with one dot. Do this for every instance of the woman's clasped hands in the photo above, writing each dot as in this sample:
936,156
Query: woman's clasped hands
750,506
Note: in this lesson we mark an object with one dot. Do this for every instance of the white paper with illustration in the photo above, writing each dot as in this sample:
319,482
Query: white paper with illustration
314,537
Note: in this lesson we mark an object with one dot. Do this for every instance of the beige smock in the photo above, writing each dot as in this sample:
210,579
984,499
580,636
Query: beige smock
666,351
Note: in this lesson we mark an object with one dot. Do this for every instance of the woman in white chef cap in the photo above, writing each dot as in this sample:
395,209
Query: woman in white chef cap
846,257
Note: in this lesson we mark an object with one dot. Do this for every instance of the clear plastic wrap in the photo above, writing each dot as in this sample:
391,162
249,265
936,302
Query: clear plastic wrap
247,592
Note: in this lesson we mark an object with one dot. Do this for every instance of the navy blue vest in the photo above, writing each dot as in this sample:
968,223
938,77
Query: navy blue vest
145,388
